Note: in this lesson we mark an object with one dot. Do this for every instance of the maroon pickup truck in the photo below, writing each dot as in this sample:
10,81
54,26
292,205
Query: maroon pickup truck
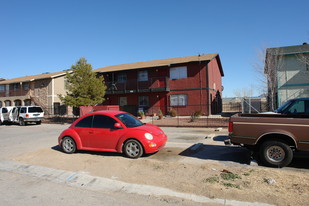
273,137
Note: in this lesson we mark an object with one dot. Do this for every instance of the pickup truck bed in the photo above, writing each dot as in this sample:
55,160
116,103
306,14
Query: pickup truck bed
272,137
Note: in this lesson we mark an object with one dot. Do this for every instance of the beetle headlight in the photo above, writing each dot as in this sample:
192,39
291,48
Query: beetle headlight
148,136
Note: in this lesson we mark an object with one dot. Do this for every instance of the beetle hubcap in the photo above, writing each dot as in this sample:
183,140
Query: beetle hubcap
68,145
275,153
133,149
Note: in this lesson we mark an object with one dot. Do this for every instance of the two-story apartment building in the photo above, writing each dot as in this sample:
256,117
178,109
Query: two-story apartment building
287,69
187,84
39,89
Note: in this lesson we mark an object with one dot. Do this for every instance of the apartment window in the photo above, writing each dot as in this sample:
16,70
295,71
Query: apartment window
142,76
143,101
123,101
26,86
179,100
2,88
122,77
178,72
16,87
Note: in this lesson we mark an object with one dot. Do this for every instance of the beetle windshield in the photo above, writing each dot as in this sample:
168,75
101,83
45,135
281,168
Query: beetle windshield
129,120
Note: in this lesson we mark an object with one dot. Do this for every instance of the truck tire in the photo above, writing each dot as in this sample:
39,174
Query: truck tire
275,153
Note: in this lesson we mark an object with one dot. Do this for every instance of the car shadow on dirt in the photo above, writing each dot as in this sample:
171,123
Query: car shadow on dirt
236,154
300,161
219,153
110,154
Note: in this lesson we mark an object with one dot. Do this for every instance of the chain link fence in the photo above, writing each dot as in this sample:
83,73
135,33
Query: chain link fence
179,116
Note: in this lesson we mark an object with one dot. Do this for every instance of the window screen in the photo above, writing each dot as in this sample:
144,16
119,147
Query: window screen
178,72
142,76
179,100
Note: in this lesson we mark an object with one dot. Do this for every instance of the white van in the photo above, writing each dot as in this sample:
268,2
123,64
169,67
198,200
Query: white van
25,114
4,114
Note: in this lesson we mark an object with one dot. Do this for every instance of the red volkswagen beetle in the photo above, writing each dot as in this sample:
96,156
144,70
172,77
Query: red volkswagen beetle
112,131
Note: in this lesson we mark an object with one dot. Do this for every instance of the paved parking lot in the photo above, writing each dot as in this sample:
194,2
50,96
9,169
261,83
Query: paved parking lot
198,147
197,143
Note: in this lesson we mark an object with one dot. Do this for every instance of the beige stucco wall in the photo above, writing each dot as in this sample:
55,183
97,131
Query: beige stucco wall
293,78
59,85
45,92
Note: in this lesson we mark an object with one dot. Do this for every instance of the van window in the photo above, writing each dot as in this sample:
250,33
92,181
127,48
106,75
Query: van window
23,110
4,110
34,109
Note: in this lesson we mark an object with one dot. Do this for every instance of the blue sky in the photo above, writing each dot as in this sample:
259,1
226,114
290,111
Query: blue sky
38,36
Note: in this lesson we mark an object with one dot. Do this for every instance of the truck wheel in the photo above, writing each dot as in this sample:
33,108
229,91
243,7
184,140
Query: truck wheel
275,154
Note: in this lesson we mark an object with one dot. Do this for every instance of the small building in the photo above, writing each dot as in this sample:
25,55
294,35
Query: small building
185,84
42,90
287,70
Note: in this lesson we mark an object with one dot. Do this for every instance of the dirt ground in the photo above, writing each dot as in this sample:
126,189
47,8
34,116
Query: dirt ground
167,169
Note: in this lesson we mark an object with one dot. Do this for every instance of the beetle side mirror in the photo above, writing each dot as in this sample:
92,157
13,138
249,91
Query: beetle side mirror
117,125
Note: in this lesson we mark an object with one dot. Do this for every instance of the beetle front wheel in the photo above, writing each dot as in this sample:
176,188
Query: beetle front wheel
133,149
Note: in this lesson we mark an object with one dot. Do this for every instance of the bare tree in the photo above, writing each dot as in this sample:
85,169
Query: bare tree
304,57
267,66
244,92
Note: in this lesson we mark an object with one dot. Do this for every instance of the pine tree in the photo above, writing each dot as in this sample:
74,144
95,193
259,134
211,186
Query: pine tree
84,88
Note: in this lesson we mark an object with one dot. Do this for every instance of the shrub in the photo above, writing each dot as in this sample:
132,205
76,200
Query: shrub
195,115
141,113
160,114
198,113
229,176
211,180
173,112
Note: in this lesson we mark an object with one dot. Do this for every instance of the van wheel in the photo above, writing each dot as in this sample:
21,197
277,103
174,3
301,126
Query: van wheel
275,153
38,123
22,122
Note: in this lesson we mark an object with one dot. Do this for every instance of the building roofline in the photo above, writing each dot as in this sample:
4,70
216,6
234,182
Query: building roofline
161,63
33,77
288,50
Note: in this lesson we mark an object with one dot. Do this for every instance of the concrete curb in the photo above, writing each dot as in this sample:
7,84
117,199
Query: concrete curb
84,180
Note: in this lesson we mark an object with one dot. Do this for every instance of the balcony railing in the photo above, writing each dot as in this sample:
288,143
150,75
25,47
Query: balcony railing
2,94
159,84
20,92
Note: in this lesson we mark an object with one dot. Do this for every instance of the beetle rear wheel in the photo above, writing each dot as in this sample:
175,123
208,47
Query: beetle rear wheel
133,149
68,145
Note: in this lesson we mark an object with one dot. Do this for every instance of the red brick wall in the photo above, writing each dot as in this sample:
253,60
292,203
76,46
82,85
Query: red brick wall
195,86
